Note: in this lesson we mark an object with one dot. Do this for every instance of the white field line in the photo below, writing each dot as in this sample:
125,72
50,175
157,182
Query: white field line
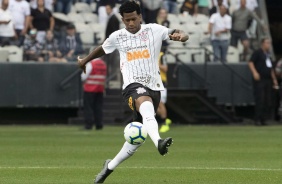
173,168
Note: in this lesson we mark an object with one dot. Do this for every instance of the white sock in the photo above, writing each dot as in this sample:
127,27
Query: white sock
126,151
147,111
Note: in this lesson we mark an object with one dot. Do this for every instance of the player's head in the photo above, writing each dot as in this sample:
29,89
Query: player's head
131,15
265,44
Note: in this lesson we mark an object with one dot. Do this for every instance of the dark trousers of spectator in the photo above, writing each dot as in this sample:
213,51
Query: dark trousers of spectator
150,16
93,110
6,41
63,6
20,37
263,92
170,6
220,48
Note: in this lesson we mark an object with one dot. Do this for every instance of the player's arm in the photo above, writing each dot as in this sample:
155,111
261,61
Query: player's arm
274,80
178,35
96,53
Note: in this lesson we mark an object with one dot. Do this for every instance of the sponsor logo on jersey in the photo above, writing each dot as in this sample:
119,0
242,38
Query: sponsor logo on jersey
139,54
130,103
142,79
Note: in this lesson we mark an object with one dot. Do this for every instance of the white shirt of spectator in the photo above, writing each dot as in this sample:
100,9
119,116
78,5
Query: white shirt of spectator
250,4
19,10
220,23
6,30
47,3
139,54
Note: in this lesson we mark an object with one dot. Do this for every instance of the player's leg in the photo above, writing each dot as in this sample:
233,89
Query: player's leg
147,107
144,105
126,151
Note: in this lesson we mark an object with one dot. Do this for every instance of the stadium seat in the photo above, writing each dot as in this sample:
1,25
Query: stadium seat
172,18
194,41
93,7
15,53
74,17
233,55
4,55
201,18
193,29
61,16
81,27
90,18
186,19
174,54
87,39
99,32
81,7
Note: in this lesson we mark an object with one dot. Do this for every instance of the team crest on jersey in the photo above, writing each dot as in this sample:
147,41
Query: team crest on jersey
144,36
140,90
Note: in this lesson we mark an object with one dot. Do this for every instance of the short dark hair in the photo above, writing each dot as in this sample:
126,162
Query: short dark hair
129,7
112,5
70,26
263,40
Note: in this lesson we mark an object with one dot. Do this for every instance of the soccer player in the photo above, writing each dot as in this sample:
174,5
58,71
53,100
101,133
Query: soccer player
162,112
139,47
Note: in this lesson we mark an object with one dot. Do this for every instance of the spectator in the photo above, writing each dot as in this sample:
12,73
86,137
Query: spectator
151,9
32,48
20,16
219,27
241,18
42,20
190,6
162,20
250,4
94,81
51,49
171,6
71,44
264,80
48,4
216,4
204,7
63,6
102,13
113,58
113,22
7,32
277,104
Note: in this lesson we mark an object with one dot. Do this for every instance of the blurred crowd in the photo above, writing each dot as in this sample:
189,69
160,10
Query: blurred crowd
30,24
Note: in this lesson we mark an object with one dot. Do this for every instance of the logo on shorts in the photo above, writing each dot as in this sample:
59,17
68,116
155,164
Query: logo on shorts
130,103
140,90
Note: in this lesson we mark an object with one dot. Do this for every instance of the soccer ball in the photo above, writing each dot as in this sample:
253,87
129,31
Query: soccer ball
135,133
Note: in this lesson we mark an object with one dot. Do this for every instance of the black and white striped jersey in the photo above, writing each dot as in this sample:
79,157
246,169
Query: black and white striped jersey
139,54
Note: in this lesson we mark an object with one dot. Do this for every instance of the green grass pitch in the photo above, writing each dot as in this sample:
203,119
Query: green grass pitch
200,154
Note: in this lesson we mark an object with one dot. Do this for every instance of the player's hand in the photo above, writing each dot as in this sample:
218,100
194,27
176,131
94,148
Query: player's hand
256,76
81,64
176,37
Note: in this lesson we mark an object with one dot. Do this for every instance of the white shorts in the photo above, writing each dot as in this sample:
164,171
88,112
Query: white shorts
164,95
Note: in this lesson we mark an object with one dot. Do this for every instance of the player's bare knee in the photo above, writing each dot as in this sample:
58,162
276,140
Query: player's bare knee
141,100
